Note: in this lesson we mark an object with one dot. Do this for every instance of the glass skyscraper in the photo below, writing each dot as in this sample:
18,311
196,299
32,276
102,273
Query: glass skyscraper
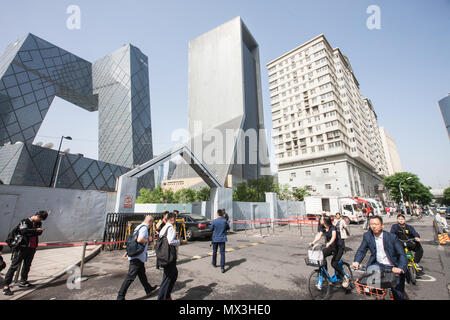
34,71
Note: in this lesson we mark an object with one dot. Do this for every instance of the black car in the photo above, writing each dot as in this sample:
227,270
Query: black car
197,226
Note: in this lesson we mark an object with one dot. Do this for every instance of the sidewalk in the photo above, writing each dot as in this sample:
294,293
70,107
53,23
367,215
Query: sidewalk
48,264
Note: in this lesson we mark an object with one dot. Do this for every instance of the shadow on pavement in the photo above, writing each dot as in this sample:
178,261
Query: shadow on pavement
231,264
199,292
181,284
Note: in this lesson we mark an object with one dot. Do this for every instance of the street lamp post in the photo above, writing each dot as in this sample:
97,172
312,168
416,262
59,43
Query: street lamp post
401,194
56,161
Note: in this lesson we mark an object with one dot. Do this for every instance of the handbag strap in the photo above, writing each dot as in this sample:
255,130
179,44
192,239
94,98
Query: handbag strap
137,229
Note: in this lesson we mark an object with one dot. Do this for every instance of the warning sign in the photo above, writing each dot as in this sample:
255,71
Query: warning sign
128,202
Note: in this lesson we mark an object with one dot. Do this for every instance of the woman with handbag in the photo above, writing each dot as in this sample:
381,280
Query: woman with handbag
170,270
341,226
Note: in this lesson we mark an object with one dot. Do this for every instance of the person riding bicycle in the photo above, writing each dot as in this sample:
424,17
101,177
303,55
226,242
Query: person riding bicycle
334,245
406,232
386,251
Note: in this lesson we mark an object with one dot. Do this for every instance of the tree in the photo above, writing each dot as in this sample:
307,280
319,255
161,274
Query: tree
299,194
144,196
282,190
185,196
203,194
447,196
241,192
412,188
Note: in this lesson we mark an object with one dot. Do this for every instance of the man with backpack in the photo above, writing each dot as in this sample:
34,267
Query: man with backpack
23,241
137,262
166,254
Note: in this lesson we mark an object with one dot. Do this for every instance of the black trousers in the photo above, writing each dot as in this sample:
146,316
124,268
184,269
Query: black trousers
337,253
137,268
221,245
169,278
18,255
418,250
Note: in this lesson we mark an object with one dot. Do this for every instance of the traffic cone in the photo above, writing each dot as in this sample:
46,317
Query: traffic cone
446,237
441,239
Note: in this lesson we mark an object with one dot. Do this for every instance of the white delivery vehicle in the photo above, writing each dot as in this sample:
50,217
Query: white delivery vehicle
348,207
376,205
351,209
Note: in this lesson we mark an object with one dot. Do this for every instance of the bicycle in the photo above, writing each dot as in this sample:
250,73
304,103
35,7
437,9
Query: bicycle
412,267
320,281
377,292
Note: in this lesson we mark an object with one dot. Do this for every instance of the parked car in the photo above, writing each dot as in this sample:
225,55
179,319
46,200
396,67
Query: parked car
197,226
441,210
447,213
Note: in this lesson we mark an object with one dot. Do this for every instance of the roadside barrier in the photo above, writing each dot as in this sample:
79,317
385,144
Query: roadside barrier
53,244
291,221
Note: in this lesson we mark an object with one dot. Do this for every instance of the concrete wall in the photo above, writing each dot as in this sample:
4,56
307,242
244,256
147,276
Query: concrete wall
249,211
161,207
74,215
287,209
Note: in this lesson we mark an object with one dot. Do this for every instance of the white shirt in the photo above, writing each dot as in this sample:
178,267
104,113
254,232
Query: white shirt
381,254
171,234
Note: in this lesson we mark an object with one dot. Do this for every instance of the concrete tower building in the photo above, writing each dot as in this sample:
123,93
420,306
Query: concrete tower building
325,133
444,105
226,121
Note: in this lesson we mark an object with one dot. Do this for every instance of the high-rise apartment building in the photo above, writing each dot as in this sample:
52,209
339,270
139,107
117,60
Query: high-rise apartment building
391,153
325,133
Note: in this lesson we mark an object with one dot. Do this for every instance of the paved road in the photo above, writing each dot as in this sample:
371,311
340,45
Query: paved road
270,267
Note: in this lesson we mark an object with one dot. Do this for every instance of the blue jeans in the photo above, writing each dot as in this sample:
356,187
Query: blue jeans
399,290
222,254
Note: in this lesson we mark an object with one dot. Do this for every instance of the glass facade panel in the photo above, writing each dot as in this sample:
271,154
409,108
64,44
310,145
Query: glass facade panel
117,86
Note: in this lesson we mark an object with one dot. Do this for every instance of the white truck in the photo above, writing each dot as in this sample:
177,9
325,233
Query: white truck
348,207
376,205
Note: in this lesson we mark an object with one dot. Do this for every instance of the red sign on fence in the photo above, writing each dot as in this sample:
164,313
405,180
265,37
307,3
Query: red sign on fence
128,202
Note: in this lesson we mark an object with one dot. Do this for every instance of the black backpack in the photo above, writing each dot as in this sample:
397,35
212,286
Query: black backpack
165,253
14,238
134,248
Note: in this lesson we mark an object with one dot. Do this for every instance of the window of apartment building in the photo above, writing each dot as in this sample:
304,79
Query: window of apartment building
308,172
313,149
293,175
325,170
328,186
321,147
304,151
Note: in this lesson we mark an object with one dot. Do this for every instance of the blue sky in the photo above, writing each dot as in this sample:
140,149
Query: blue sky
404,67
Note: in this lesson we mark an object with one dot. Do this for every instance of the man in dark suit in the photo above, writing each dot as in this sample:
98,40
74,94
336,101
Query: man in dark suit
219,228
386,252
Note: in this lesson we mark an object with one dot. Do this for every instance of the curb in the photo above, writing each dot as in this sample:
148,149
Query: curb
56,276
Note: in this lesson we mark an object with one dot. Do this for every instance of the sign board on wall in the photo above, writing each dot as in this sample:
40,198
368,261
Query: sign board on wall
128,202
